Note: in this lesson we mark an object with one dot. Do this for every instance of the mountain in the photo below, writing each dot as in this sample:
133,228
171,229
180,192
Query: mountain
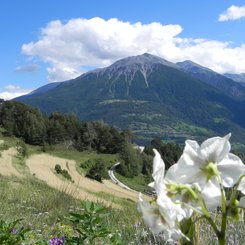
240,78
150,96
223,83
41,90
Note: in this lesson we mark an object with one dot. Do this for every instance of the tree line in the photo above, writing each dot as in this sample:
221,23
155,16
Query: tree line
36,128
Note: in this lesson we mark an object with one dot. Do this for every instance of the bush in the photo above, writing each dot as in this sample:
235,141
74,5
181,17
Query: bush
98,171
22,148
62,172
57,169
91,227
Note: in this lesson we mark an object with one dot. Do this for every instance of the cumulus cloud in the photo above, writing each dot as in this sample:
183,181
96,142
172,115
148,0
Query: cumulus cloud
233,13
69,48
11,91
27,68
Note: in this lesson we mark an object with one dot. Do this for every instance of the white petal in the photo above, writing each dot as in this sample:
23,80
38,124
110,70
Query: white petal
151,216
191,153
215,149
185,174
231,168
158,172
158,163
241,186
167,210
173,235
242,203
212,194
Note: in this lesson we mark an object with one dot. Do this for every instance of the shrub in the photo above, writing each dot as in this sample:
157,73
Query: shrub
58,169
62,172
22,148
90,226
98,171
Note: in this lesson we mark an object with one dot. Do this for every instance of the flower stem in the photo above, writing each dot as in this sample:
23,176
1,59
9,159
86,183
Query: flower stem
224,208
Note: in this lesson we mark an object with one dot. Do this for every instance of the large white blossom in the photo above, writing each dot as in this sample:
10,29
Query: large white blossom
170,186
162,215
207,165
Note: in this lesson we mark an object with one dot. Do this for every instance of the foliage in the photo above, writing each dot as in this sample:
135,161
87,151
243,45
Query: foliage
130,161
62,172
35,128
90,225
98,170
170,152
11,234
23,122
4,147
22,148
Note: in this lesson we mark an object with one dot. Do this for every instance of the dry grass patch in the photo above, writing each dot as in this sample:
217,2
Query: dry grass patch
42,166
6,167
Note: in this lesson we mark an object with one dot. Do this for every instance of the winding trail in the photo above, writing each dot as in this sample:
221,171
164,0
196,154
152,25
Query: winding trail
116,180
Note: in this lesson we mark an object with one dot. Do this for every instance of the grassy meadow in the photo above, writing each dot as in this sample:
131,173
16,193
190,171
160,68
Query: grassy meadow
45,210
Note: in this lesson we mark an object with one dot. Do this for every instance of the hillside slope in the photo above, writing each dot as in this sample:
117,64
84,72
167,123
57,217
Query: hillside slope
223,83
150,96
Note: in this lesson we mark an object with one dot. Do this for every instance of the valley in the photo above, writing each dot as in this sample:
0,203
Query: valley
151,97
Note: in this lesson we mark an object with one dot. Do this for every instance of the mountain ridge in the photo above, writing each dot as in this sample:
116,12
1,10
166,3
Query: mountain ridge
163,100
223,83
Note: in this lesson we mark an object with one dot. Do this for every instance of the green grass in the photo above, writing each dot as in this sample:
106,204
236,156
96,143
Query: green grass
79,156
19,164
138,183
38,205
45,209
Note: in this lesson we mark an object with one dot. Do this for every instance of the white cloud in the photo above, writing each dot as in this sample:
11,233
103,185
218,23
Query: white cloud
27,68
69,48
233,13
11,91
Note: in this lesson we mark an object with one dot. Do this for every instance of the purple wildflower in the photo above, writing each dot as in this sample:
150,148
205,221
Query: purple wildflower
14,231
57,241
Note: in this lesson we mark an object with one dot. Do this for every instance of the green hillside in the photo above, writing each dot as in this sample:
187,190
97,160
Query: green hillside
149,97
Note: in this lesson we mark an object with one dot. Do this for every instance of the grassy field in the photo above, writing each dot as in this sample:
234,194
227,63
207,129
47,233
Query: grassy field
45,210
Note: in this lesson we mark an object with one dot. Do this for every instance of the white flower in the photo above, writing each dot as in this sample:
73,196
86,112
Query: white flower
162,186
152,216
205,164
161,217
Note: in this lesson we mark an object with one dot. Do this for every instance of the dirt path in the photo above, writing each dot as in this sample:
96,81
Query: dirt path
42,166
6,167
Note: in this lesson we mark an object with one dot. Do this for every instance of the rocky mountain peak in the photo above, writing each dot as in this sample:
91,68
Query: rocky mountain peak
144,60
128,67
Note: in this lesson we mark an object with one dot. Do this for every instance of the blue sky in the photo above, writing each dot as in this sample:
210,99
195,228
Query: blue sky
47,41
